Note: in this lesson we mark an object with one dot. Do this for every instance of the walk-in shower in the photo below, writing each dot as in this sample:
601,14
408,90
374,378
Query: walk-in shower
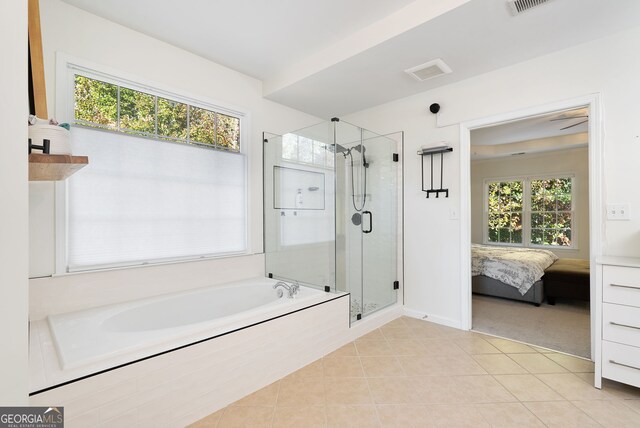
331,211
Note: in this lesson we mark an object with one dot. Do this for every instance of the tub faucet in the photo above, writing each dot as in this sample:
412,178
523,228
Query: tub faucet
292,289
285,286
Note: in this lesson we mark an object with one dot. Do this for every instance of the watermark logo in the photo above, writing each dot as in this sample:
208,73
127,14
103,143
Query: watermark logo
31,417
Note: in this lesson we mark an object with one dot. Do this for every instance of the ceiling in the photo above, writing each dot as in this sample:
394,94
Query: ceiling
550,132
254,37
334,57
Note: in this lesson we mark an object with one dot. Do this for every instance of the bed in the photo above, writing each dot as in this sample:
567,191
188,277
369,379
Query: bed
567,279
510,272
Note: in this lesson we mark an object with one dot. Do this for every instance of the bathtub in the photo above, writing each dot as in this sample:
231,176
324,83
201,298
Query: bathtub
116,334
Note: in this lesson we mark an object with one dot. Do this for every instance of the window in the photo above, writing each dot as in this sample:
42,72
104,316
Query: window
166,179
551,212
505,212
114,107
530,211
301,149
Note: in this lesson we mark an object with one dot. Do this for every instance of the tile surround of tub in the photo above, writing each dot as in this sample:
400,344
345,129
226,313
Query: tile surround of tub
78,291
181,387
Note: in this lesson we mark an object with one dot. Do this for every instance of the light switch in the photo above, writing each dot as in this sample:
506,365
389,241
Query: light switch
618,212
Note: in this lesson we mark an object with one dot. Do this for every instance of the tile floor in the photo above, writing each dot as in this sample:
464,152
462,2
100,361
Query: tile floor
412,373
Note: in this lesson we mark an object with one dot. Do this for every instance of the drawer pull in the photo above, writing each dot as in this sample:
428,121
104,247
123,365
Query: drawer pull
623,365
625,286
623,325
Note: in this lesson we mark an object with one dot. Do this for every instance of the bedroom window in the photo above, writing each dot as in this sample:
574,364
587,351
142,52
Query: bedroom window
166,180
530,212
551,212
505,212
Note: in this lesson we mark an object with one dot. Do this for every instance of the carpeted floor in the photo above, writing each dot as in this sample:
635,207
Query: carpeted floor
563,327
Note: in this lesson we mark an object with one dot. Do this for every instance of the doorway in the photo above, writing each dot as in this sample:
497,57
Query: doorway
591,103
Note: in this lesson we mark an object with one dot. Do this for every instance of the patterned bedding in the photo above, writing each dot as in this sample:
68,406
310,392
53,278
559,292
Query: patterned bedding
518,267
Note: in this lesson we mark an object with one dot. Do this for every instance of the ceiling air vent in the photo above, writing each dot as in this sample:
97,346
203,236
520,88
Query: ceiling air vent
428,70
519,6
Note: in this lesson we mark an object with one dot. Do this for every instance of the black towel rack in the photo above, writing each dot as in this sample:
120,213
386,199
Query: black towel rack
431,152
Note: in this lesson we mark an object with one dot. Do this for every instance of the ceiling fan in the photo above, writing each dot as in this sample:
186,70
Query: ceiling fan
570,118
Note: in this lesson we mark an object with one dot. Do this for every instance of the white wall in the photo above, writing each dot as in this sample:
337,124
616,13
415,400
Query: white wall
609,66
14,236
574,161
82,35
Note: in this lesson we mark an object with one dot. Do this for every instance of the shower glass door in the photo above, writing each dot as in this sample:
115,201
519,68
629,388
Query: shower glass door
367,186
380,224
350,207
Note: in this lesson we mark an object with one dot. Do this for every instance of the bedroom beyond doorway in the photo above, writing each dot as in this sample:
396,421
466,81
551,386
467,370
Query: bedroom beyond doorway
530,230
563,327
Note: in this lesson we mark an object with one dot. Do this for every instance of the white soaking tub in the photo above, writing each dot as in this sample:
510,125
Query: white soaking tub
124,332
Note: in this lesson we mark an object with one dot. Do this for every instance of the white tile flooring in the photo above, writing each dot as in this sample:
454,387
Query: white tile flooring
412,373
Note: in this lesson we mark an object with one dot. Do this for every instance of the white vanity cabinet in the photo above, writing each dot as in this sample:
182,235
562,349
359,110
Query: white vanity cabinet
618,320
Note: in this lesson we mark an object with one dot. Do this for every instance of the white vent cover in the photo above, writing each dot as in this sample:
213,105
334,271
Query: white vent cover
519,6
428,70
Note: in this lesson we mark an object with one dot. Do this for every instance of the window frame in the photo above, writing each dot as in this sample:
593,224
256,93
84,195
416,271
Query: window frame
67,67
526,210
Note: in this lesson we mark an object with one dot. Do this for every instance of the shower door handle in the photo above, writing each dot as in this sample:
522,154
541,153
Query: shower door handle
370,221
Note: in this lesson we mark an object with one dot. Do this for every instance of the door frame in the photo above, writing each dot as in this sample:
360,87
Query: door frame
596,193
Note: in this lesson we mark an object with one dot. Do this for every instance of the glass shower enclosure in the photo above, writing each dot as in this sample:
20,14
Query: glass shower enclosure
331,212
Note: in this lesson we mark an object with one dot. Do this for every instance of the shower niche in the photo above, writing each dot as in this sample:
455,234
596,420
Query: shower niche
331,212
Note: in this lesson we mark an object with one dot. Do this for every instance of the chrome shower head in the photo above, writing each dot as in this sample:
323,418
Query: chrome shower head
337,148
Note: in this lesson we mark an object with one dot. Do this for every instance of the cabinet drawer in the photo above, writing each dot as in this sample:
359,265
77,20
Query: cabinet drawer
621,324
621,363
621,285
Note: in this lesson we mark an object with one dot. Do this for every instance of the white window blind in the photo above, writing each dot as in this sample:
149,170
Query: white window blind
142,200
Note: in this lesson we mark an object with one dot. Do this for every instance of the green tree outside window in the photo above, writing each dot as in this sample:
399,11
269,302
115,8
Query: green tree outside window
505,212
551,212
106,105
549,207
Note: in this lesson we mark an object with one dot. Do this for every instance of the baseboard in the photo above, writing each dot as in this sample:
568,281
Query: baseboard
368,324
373,321
433,318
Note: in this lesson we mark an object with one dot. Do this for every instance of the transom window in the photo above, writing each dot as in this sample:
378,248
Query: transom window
530,211
118,108
301,149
